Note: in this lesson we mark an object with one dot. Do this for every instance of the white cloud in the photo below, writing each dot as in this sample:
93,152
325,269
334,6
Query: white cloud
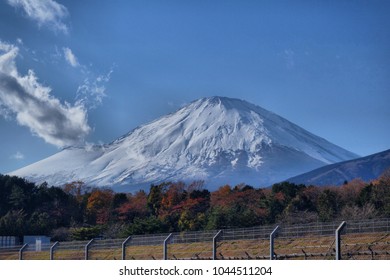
17,156
70,57
92,92
44,12
33,106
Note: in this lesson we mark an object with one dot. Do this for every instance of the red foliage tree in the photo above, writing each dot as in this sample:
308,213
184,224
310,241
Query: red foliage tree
136,206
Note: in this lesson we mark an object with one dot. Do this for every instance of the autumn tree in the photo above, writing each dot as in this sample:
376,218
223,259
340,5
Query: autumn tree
99,206
328,205
350,191
242,206
384,178
300,209
77,189
193,215
173,196
155,196
135,206
119,199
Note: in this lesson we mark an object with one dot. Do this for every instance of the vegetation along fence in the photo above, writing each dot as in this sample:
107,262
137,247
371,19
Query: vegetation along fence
364,239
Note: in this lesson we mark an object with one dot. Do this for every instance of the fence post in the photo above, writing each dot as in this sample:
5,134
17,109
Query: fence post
87,248
165,247
338,240
215,244
271,243
21,251
52,250
124,247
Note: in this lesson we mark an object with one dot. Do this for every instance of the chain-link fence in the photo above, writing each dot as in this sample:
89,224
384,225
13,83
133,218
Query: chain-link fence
145,247
191,245
368,240
364,239
245,243
9,253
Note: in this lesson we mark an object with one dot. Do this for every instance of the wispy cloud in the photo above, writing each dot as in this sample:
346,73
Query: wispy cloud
93,90
45,12
17,156
5,112
33,106
289,57
70,57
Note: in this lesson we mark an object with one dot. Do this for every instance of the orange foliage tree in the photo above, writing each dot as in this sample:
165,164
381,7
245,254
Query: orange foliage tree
99,205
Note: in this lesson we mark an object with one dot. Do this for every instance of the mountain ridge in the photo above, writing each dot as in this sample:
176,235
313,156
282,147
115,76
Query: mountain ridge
365,168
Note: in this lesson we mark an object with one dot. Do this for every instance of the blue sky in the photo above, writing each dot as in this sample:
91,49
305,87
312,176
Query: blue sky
90,71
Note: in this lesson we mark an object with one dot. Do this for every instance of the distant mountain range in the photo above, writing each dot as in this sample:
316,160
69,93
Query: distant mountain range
366,168
220,140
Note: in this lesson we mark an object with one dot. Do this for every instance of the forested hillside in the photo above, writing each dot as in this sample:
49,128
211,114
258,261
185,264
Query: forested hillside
77,211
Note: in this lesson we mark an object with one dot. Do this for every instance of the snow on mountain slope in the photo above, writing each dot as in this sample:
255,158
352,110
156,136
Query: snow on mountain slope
218,139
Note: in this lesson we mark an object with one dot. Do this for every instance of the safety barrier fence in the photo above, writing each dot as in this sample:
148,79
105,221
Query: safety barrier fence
364,239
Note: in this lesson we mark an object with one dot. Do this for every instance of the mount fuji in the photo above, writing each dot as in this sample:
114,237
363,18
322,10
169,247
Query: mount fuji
217,139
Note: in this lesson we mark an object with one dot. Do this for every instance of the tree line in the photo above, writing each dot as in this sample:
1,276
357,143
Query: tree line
79,212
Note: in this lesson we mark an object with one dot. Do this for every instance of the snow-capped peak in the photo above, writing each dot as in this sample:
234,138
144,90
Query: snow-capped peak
218,139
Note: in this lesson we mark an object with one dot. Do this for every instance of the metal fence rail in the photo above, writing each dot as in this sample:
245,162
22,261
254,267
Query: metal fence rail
10,252
364,239
70,250
192,237
247,233
368,240
145,246
191,245
151,239
382,225
314,229
105,249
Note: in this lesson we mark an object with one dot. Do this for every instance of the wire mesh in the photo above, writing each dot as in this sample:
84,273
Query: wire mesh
74,250
244,243
191,245
364,239
9,252
366,246
367,226
105,249
37,252
246,233
146,247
